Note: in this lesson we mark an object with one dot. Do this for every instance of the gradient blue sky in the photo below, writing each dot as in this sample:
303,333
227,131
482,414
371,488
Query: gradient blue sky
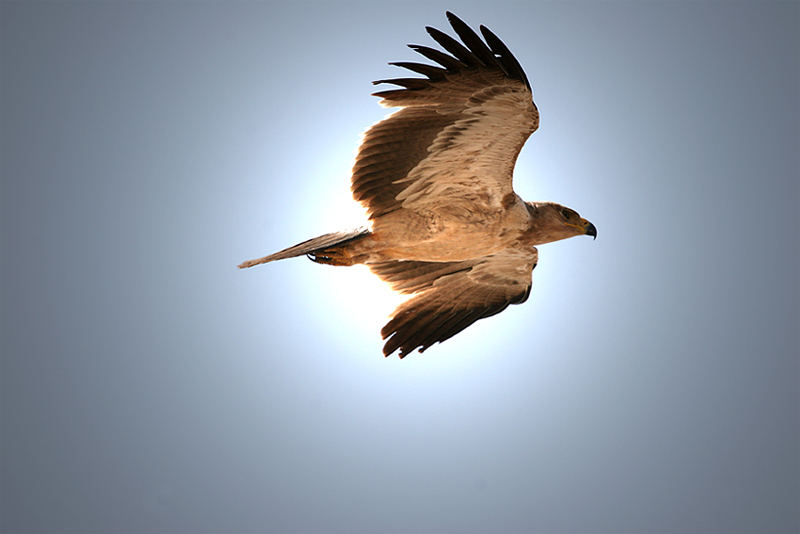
650,384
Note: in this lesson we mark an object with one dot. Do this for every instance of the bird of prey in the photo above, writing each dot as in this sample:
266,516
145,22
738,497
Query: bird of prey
435,179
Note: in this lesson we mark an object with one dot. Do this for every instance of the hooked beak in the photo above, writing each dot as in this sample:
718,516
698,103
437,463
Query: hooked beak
589,229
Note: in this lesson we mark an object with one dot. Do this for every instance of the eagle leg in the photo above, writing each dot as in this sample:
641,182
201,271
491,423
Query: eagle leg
330,257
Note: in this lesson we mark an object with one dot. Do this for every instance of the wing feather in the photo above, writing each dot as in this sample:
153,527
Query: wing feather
436,74
471,39
390,150
408,83
448,62
407,276
452,296
456,140
510,64
458,50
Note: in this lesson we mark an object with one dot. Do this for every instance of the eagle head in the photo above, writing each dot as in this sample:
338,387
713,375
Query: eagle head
553,222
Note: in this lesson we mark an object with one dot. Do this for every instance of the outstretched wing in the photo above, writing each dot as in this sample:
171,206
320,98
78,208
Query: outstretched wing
451,296
456,140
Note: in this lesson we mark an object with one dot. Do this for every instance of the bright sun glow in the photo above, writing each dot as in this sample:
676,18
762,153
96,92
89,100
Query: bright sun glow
360,295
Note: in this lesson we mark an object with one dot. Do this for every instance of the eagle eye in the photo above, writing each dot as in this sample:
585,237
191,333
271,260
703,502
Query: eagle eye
567,213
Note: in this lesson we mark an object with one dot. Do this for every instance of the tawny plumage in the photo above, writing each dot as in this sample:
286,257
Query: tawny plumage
435,179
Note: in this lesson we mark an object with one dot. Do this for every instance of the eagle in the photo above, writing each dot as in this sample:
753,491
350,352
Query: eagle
435,178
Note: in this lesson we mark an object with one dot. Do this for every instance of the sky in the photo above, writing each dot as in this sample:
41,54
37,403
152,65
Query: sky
651,383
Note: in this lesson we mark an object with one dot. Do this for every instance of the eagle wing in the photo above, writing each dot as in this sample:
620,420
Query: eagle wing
454,143
450,296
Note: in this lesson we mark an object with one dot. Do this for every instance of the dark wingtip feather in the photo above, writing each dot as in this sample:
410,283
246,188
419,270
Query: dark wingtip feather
408,83
454,47
504,56
487,53
433,73
447,61
471,39
402,331
391,94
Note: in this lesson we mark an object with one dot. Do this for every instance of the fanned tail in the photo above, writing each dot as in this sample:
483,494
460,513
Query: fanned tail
323,249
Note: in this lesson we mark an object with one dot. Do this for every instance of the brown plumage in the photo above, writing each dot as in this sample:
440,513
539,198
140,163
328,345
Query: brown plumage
435,178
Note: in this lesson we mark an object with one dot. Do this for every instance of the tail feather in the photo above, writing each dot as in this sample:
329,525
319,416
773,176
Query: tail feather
309,247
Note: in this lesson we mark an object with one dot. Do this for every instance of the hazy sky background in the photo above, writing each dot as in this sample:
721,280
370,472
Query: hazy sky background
650,384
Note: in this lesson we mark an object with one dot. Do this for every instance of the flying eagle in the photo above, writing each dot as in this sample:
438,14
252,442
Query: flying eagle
435,179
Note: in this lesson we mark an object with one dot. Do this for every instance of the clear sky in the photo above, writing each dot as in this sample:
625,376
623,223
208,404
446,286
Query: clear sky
650,384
